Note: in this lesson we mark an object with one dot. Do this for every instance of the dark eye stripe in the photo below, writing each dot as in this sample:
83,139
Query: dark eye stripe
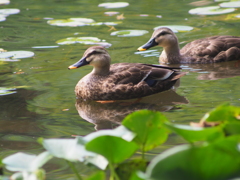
162,33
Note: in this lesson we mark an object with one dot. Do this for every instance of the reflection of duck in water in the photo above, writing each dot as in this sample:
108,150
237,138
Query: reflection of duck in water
216,70
122,80
106,116
208,50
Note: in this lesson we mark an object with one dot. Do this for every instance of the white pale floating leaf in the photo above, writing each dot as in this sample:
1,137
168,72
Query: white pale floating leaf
4,2
84,20
2,17
6,91
9,11
176,28
211,10
129,33
17,54
83,40
72,22
65,22
111,13
114,4
42,47
232,4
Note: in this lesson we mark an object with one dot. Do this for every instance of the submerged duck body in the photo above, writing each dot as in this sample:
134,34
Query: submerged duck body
207,50
121,81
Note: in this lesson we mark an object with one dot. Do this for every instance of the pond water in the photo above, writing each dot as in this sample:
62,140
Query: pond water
37,93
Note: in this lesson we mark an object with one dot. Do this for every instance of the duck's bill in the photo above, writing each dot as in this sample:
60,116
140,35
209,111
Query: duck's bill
81,62
149,44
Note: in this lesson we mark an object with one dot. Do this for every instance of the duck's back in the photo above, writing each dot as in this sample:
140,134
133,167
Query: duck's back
212,49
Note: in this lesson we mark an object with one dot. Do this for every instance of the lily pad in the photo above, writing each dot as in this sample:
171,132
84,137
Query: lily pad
111,13
9,11
114,5
232,4
17,54
129,33
83,40
73,22
2,17
210,10
4,2
177,28
6,91
42,47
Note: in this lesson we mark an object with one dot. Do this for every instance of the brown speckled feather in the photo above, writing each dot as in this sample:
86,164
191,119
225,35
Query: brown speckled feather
207,50
213,49
122,80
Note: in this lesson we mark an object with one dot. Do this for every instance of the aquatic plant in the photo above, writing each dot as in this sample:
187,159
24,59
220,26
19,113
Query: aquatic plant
212,151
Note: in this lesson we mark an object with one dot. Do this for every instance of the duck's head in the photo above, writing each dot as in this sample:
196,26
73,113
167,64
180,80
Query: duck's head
163,37
96,56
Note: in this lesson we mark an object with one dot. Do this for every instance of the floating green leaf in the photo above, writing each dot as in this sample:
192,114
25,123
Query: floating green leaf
83,40
4,2
42,47
114,149
111,13
70,22
149,128
176,28
26,162
211,10
9,11
232,4
193,134
17,54
114,4
129,33
223,113
216,161
2,17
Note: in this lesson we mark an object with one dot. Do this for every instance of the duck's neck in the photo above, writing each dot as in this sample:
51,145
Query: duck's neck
100,71
170,55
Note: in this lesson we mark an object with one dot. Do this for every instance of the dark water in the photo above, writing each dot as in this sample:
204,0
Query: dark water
44,102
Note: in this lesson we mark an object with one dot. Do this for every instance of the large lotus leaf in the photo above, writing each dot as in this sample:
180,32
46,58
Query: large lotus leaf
193,134
148,127
114,149
223,113
217,161
26,162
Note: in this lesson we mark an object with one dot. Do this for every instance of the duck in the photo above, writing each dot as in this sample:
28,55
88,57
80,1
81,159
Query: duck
121,81
201,51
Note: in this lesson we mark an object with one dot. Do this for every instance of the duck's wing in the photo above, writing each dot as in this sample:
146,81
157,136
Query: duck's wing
134,73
